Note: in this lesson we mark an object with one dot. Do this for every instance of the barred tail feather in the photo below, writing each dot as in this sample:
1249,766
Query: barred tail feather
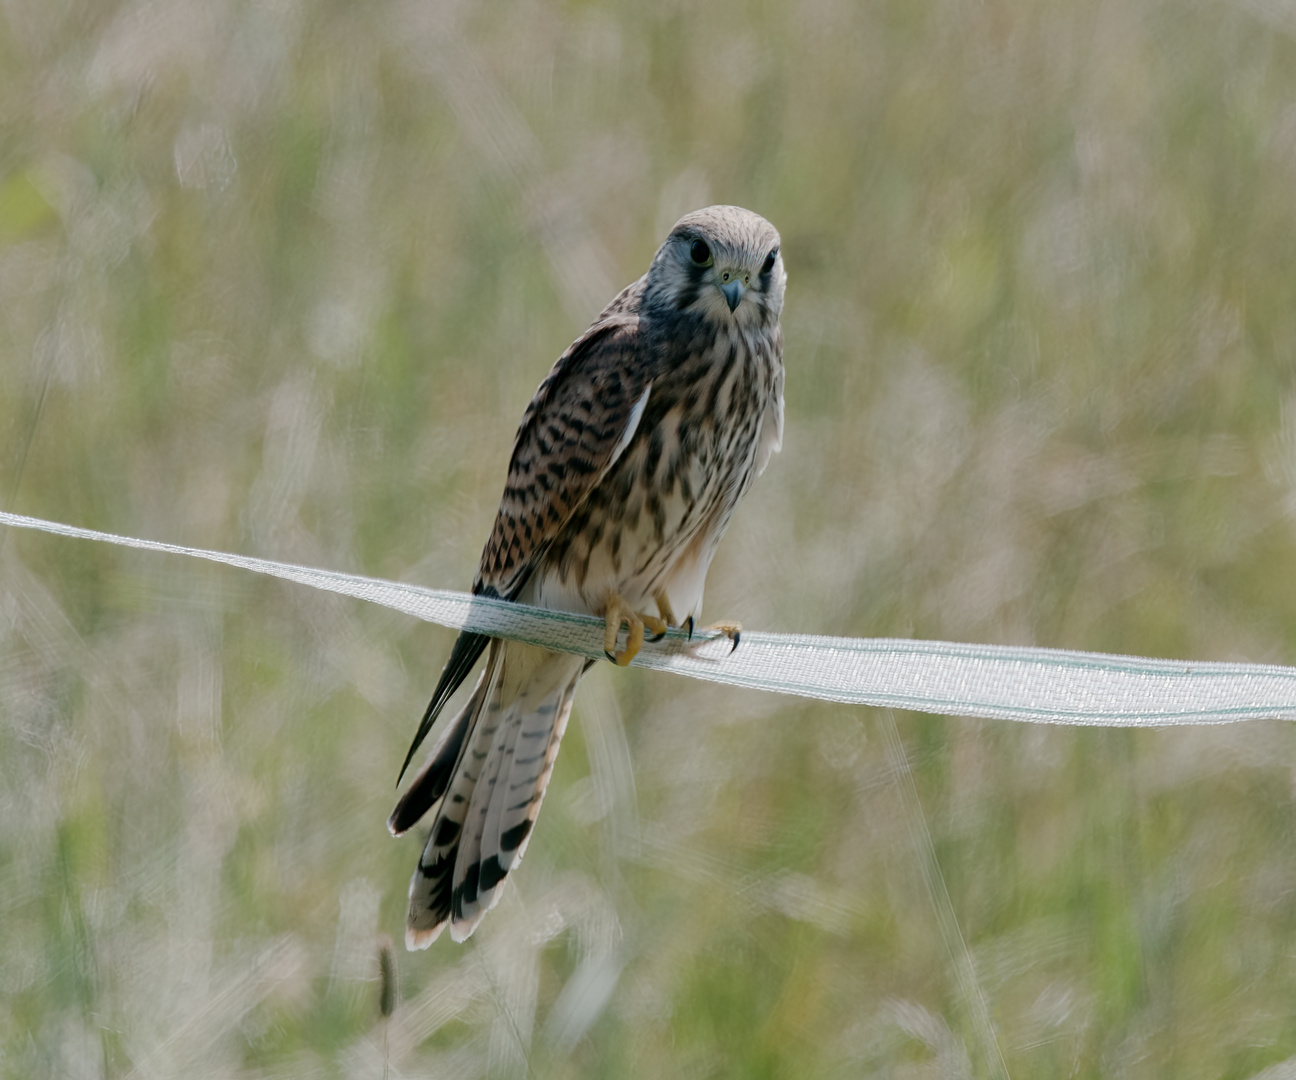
430,887
509,737
540,720
528,778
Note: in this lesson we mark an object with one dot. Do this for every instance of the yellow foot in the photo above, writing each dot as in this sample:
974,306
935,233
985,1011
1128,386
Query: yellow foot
619,614
667,615
731,630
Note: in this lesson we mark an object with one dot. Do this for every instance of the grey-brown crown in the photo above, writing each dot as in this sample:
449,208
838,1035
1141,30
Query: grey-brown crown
739,245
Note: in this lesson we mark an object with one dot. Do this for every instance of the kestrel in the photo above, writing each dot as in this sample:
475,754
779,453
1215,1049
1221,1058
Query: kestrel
626,468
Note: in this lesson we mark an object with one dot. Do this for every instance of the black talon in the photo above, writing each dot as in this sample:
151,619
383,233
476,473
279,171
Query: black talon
610,655
656,637
737,636
688,626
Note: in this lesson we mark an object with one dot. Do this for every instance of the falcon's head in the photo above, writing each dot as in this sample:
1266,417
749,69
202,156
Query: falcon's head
722,262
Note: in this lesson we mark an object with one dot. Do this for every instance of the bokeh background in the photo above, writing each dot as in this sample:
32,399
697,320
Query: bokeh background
279,278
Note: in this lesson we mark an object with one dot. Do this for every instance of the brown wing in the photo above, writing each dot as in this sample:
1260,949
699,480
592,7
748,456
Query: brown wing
580,421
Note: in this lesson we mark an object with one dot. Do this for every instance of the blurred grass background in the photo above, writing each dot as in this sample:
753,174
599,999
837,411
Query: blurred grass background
280,278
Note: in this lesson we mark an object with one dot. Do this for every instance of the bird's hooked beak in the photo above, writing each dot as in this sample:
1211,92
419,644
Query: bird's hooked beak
733,283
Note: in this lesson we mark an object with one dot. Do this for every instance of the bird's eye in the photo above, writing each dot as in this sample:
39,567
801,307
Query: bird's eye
699,252
768,264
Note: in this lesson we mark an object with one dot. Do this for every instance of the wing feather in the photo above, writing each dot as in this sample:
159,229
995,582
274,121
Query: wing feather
771,435
581,419
468,648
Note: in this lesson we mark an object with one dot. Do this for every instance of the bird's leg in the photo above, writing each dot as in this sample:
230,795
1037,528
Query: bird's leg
667,616
619,614
731,630
656,625
614,615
